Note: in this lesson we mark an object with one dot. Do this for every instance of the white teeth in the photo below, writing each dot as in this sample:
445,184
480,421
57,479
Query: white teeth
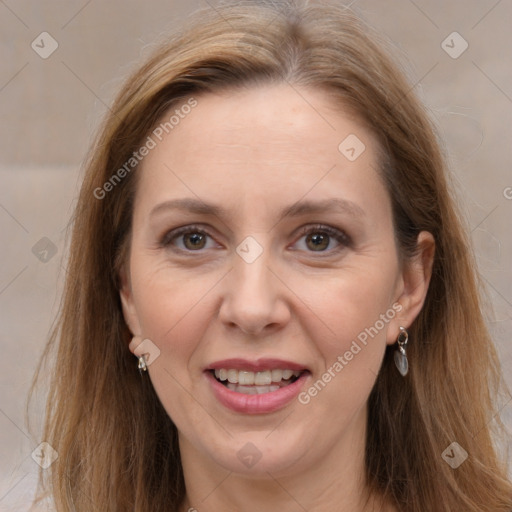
263,378
277,375
246,378
287,374
252,390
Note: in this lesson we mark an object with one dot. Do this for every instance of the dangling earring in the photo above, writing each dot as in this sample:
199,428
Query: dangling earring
136,342
142,365
400,356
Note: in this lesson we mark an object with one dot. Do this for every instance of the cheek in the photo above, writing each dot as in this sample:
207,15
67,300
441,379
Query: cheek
173,309
348,329
174,314
349,305
349,315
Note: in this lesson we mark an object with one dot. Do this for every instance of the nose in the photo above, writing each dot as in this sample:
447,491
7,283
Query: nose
254,299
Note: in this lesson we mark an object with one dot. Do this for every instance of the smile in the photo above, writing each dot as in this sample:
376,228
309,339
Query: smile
256,387
255,383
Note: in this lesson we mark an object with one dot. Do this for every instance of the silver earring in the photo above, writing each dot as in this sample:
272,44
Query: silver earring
134,343
142,365
401,361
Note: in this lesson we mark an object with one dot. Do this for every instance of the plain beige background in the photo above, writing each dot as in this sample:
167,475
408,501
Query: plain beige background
50,108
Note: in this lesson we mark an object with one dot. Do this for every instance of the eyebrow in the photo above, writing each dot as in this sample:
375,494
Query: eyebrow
323,206
301,207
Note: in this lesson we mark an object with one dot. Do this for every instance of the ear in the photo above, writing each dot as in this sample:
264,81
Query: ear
413,285
128,304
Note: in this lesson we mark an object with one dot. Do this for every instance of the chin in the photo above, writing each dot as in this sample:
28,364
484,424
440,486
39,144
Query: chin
257,454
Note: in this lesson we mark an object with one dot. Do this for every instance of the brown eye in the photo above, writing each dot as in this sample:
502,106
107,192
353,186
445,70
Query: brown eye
188,239
322,239
317,241
194,241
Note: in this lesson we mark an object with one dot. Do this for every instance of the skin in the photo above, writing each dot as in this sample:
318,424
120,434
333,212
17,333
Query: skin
255,152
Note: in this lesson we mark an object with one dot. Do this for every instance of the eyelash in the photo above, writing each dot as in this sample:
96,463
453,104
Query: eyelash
176,233
341,237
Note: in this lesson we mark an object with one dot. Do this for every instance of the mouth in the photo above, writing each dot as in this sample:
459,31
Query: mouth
256,387
256,383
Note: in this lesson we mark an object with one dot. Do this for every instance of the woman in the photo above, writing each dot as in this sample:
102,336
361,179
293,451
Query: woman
265,224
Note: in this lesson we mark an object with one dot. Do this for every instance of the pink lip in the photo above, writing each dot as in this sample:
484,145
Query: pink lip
256,404
259,365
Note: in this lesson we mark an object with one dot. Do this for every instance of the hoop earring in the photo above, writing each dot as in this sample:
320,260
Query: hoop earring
134,343
400,356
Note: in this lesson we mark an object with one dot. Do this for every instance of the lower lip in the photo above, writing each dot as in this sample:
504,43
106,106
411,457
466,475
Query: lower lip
256,404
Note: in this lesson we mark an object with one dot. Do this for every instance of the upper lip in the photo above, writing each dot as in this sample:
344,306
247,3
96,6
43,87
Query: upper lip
258,365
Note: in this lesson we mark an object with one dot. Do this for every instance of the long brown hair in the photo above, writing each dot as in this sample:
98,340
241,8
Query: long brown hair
117,446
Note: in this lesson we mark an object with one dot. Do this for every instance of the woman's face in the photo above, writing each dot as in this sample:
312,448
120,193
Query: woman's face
263,241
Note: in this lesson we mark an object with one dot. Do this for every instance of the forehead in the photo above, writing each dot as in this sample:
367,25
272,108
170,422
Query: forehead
267,143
